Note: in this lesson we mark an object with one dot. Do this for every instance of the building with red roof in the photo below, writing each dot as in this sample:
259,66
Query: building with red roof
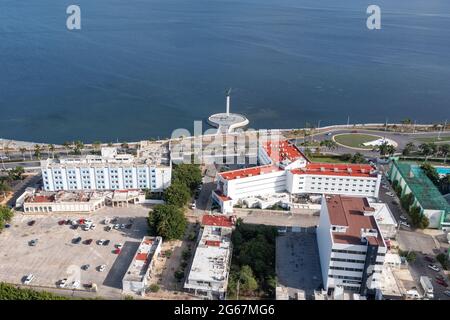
284,168
351,246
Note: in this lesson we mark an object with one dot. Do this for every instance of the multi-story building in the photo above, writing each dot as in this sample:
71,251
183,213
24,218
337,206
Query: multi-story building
138,275
208,275
351,246
284,168
109,171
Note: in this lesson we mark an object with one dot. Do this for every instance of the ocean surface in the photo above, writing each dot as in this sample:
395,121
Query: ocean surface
141,68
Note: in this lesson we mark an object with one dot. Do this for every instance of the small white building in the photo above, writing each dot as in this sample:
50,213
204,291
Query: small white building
61,201
208,275
139,272
351,246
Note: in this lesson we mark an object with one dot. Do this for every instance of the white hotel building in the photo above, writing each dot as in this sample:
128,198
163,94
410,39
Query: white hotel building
151,169
284,168
351,247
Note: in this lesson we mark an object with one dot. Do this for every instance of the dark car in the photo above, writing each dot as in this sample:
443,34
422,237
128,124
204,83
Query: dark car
61,222
106,242
108,228
442,283
31,223
7,225
76,240
74,227
429,259
88,241
33,242
68,222
85,267
128,226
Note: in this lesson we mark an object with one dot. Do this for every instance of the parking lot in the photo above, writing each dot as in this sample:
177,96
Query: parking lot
55,256
297,262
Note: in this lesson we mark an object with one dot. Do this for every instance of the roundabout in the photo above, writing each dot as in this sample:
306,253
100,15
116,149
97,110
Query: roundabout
361,141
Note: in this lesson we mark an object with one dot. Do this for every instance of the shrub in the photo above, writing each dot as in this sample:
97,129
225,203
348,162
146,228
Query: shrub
154,288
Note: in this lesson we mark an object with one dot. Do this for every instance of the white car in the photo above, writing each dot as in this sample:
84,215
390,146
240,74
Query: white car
193,206
116,226
100,242
93,226
405,224
404,218
28,279
434,267
75,284
102,268
62,283
119,246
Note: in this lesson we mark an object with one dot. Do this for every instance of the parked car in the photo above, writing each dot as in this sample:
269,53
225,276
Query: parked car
122,226
119,246
74,226
405,224
93,226
31,223
76,240
429,259
85,267
128,226
102,268
404,218
62,222
62,283
33,242
116,226
68,221
440,277
88,241
442,282
28,279
7,226
117,251
108,228
447,293
106,242
75,284
193,205
434,267
100,242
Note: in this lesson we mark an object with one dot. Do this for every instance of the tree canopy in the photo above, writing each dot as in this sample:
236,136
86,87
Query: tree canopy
177,194
167,221
189,174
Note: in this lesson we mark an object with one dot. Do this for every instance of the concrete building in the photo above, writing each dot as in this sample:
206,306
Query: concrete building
411,178
351,246
284,168
139,272
150,169
61,201
208,275
386,221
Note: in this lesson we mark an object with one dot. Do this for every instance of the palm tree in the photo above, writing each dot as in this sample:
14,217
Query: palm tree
390,150
78,147
409,147
383,148
51,148
37,151
67,145
22,151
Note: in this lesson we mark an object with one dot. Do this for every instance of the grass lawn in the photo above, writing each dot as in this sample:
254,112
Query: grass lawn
326,159
355,140
434,139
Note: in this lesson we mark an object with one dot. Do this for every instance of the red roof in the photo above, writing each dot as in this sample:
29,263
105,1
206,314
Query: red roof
141,256
249,172
282,150
39,198
221,195
349,212
221,221
213,243
337,169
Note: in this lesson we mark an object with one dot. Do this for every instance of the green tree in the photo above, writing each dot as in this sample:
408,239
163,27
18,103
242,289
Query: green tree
167,221
5,216
78,147
4,188
51,149
37,151
16,173
358,158
409,147
188,174
431,173
247,281
22,152
177,194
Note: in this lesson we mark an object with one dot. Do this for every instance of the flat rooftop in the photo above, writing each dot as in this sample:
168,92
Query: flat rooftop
142,259
63,196
220,221
338,169
348,212
212,257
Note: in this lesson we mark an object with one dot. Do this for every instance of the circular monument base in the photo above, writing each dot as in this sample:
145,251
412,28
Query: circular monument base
227,122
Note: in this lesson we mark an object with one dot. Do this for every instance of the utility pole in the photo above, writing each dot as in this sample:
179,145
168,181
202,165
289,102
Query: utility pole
414,127
442,129
318,124
348,121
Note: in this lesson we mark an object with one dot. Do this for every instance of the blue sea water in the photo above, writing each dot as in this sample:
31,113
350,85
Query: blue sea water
141,68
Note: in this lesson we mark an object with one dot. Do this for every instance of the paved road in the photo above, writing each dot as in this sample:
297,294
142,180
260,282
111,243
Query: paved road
401,138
